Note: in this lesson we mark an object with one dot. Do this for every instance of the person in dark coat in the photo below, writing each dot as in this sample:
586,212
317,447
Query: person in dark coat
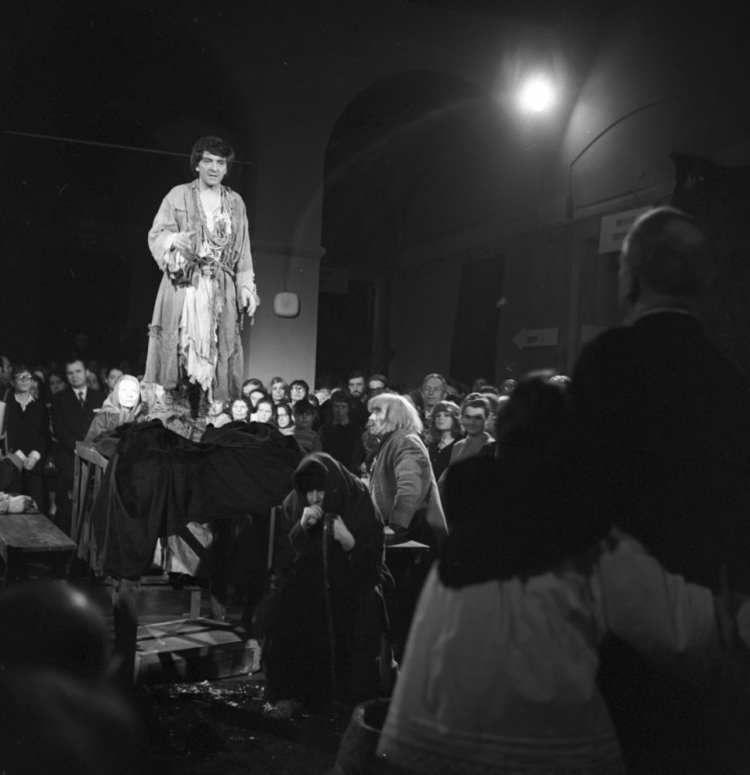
663,425
72,414
325,637
341,437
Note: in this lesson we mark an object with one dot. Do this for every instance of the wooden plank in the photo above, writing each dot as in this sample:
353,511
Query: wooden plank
193,650
31,532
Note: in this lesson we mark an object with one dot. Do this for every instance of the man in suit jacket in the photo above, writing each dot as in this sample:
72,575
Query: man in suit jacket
663,428
72,415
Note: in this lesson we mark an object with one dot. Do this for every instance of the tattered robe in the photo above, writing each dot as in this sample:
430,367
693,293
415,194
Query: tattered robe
215,348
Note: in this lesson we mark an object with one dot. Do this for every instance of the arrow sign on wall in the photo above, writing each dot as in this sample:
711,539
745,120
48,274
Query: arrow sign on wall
536,337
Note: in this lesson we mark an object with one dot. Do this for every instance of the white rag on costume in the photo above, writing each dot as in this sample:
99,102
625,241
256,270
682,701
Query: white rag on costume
198,339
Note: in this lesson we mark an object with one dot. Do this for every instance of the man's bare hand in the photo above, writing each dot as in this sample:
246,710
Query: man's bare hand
183,241
247,301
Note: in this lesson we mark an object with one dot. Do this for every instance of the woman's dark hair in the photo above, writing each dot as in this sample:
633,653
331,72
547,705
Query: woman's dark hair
303,407
252,382
287,408
454,411
343,396
233,401
214,145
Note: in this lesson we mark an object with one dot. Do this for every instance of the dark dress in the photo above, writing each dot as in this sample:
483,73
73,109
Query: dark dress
302,640
28,430
439,458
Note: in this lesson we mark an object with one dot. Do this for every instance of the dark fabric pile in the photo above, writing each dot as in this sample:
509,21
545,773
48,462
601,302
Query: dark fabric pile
158,481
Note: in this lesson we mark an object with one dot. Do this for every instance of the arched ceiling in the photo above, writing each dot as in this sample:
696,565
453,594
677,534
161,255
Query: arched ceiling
413,158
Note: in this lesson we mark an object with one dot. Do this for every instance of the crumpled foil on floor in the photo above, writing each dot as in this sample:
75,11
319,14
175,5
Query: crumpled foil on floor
217,727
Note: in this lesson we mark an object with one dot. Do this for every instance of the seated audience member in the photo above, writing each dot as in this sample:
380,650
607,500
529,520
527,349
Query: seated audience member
478,384
341,438
217,414
508,386
376,384
298,389
318,418
475,411
249,385
304,415
239,410
5,366
72,415
264,411
500,670
255,395
357,386
92,380
442,434
55,383
284,418
113,374
27,432
279,390
121,406
38,385
58,711
331,564
434,389
323,394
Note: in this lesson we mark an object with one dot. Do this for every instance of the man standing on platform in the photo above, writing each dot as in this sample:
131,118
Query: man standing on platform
200,240
72,414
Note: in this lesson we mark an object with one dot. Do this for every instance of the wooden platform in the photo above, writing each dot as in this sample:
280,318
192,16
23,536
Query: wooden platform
29,536
193,650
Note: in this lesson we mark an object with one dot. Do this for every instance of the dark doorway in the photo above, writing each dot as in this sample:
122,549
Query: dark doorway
345,330
475,333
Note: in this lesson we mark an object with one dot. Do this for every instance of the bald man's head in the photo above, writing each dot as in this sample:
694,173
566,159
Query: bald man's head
666,255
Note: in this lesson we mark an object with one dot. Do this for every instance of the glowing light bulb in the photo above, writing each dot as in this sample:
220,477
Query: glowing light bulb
537,95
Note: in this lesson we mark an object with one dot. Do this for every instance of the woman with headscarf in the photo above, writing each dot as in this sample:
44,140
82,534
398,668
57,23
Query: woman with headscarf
325,638
122,405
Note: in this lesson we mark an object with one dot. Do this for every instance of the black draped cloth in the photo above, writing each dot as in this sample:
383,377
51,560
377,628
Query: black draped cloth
157,481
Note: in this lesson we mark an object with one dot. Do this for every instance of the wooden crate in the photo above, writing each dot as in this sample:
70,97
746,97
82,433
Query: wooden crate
193,650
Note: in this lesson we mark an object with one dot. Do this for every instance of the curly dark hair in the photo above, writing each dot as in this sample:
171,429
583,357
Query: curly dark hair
214,145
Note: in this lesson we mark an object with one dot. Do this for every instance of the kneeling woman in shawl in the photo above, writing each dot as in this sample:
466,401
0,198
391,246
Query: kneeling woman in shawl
324,640
121,406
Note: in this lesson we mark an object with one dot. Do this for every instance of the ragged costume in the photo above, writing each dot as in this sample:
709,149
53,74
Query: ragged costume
195,329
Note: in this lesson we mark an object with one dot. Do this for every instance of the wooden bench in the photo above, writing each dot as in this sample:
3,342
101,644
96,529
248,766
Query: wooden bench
30,536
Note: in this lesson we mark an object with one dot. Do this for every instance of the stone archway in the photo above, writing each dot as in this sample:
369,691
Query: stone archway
410,160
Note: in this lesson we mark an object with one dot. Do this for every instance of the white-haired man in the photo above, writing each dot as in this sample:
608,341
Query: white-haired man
401,482
405,492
